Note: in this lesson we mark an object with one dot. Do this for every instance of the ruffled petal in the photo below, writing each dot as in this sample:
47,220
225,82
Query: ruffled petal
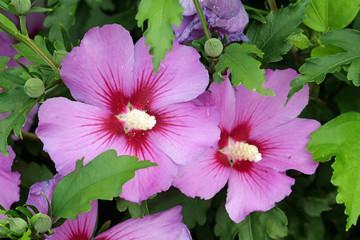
36,196
284,147
256,189
189,7
185,131
224,98
150,181
9,181
261,113
101,68
161,226
80,229
72,130
181,77
204,178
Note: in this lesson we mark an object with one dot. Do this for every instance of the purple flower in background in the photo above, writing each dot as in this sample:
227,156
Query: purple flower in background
260,140
9,181
34,24
227,17
122,105
161,226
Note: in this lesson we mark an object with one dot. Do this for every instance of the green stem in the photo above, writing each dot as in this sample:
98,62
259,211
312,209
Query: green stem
52,88
202,19
272,5
263,12
23,25
29,42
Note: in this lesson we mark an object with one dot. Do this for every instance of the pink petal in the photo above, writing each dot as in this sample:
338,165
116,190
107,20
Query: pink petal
181,77
9,181
72,130
224,98
37,190
284,147
185,131
79,229
189,7
256,189
204,178
150,181
262,113
101,68
161,226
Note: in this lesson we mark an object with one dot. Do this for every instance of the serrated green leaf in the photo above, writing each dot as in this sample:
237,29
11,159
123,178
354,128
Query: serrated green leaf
315,69
354,72
135,210
271,36
325,50
63,13
15,100
161,14
243,68
3,62
339,138
256,226
102,178
324,15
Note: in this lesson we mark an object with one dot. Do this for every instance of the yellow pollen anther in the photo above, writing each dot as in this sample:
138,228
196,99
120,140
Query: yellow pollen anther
244,151
139,120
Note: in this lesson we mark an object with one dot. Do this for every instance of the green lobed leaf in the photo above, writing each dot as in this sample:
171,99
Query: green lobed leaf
243,68
315,69
271,37
3,62
102,178
161,14
256,226
339,138
324,15
314,206
354,72
64,13
16,101
135,210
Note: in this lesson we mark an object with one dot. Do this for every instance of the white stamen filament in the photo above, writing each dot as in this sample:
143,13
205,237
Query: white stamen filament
244,151
139,120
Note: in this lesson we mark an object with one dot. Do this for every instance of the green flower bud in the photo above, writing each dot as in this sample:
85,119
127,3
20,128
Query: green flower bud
34,87
3,231
42,223
213,47
18,225
21,6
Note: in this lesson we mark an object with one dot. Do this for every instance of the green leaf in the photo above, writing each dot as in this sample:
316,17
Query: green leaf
339,138
102,178
348,99
325,50
256,226
16,101
243,68
3,62
135,209
63,13
300,40
315,206
354,72
161,14
271,37
4,20
324,15
315,69
28,53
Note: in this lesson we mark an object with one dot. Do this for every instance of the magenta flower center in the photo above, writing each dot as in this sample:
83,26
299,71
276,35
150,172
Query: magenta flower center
137,119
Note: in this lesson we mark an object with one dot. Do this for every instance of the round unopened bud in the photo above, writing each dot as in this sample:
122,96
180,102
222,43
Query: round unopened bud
21,6
18,225
213,47
34,87
3,231
41,222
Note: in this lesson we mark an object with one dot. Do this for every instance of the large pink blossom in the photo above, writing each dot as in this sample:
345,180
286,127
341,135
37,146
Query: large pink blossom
122,105
9,181
260,140
161,226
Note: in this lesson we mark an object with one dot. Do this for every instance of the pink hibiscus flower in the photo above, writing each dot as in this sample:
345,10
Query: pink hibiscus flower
122,105
9,181
260,140
161,226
